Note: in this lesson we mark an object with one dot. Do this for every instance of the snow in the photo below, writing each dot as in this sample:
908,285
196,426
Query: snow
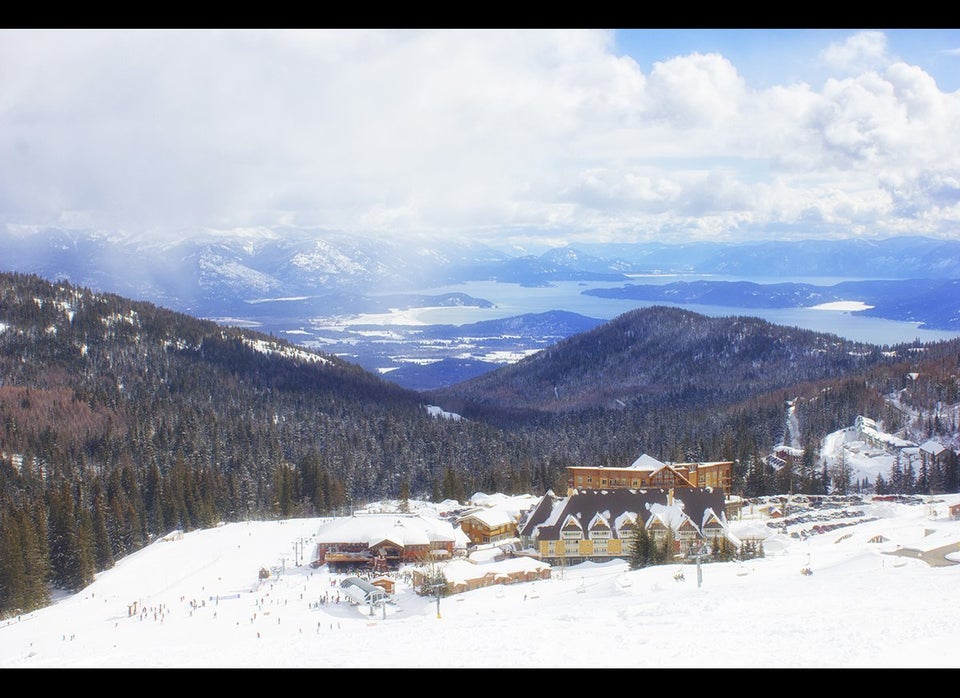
846,306
297,354
200,603
439,412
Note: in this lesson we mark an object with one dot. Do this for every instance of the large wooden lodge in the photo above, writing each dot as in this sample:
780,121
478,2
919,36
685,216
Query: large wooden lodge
646,472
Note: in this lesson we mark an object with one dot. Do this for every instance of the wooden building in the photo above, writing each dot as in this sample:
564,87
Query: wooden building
384,541
647,472
485,525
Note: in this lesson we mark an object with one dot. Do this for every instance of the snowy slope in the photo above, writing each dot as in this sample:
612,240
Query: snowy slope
200,604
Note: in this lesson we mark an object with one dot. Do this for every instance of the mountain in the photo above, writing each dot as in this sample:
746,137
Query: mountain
218,273
904,257
95,381
664,357
303,283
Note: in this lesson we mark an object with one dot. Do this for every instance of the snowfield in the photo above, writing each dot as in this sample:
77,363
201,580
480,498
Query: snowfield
195,600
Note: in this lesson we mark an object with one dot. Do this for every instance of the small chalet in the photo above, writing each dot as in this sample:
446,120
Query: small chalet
933,454
488,525
385,583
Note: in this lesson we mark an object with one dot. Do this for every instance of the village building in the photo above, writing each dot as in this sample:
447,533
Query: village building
933,454
488,525
867,431
466,575
598,525
646,471
385,541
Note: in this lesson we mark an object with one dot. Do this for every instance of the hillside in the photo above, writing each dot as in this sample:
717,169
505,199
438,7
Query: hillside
120,421
870,602
665,357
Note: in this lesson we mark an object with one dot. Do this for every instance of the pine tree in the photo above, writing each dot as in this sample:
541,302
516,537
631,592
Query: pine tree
35,562
13,574
103,547
640,548
404,495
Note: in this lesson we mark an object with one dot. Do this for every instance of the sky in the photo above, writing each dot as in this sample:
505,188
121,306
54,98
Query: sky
514,137
869,603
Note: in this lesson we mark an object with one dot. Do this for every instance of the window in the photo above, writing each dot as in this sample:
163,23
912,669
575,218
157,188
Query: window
571,542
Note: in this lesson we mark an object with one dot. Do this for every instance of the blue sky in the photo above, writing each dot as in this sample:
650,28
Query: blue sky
512,137
768,57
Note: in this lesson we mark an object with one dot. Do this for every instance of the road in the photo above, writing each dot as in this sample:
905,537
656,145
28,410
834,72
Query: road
937,557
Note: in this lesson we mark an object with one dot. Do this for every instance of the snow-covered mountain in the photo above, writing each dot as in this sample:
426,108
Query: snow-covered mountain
209,272
294,281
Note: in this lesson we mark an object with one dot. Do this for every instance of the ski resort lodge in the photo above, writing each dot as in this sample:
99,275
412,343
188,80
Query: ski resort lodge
592,525
647,471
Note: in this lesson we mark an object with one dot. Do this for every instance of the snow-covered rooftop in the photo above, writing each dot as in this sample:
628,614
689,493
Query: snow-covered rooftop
402,529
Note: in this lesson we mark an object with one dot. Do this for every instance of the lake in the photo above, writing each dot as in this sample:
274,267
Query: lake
514,299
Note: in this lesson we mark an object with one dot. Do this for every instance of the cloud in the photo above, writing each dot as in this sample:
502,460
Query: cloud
695,90
860,52
493,133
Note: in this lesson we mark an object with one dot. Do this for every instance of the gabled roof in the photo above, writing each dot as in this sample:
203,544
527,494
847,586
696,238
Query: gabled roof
492,518
646,462
541,512
598,521
672,517
675,472
710,518
571,522
626,518
933,447
619,505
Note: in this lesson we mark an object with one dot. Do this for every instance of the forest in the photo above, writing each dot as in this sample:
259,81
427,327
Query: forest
121,421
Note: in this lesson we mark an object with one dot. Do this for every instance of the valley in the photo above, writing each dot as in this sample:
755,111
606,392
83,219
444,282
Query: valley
449,334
